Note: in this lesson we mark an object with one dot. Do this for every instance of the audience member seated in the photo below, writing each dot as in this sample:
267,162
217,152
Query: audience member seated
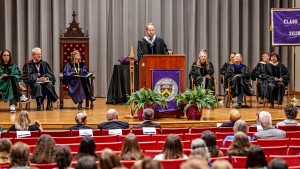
172,149
256,158
87,162
109,159
221,164
44,151
234,115
5,147
269,131
211,143
238,75
196,162
10,77
41,79
75,75
24,123
87,147
63,157
113,122
81,120
148,115
19,156
225,65
239,146
239,125
277,163
279,77
202,71
131,149
199,148
260,73
147,163
291,113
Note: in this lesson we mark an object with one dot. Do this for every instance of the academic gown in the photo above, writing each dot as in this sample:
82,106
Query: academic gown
78,87
242,69
276,89
9,85
32,73
199,73
259,73
157,47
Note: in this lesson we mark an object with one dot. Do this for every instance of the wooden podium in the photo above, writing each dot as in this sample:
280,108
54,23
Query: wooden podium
149,62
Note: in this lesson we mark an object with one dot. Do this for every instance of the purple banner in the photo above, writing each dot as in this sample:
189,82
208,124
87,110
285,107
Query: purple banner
167,83
286,26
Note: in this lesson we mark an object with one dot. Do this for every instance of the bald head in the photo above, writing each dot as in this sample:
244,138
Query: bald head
112,114
81,118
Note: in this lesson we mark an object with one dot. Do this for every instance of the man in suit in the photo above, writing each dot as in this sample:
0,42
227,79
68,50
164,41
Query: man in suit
81,120
151,44
112,121
41,79
269,131
148,115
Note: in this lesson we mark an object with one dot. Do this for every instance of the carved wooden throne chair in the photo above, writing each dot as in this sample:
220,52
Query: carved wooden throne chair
74,39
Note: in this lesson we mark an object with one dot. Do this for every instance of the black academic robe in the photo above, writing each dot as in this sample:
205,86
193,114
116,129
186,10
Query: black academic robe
276,89
199,73
260,73
236,86
157,47
40,90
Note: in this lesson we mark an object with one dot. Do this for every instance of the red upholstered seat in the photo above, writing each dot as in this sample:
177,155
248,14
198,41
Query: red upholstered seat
291,160
191,136
128,163
13,134
275,150
201,129
238,161
152,153
141,138
149,145
96,132
56,133
44,166
273,142
106,139
172,164
174,130
27,140
225,129
115,146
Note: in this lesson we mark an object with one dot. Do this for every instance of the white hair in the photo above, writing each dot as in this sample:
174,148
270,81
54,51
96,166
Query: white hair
265,118
36,49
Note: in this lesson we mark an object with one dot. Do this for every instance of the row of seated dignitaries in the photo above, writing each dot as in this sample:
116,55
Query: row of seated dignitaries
271,75
38,74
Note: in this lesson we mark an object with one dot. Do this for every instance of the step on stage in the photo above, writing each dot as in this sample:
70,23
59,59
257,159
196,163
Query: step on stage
63,118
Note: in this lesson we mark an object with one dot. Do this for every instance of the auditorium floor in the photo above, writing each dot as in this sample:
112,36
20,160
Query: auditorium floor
63,118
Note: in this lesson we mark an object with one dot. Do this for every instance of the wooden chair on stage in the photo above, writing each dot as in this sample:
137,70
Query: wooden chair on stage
287,93
73,39
229,97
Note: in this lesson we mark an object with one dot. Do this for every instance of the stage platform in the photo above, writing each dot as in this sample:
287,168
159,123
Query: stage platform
63,118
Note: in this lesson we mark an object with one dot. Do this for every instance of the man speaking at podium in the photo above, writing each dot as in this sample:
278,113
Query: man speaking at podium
151,44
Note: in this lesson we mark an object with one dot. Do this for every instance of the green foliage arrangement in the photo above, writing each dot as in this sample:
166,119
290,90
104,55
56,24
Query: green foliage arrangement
198,96
146,97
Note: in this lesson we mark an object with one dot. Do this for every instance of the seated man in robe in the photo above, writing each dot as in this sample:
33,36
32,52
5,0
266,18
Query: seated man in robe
38,74
238,75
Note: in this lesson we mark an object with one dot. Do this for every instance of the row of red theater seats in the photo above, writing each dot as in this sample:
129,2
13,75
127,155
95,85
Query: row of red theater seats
236,161
65,133
174,164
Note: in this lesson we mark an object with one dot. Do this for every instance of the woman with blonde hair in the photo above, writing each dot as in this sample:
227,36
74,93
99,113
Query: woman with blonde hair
75,75
202,71
109,159
172,149
5,147
24,123
239,146
131,149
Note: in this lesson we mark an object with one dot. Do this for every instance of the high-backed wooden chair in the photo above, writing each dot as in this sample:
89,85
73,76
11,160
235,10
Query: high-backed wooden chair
73,39
229,97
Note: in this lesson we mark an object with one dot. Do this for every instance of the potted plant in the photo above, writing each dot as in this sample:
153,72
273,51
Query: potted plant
145,98
194,101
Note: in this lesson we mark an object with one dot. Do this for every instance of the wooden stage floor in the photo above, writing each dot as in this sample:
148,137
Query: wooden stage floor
63,118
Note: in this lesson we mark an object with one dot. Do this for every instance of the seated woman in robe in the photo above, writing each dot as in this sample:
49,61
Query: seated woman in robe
75,75
225,65
259,73
202,71
238,75
10,78
278,78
